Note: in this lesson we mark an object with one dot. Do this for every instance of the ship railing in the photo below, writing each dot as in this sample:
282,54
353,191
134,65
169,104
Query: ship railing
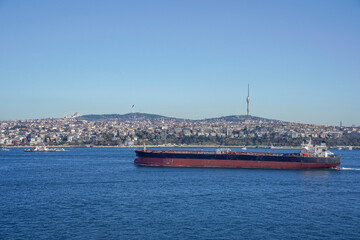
222,152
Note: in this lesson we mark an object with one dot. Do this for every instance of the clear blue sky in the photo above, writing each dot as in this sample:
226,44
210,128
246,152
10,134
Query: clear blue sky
189,59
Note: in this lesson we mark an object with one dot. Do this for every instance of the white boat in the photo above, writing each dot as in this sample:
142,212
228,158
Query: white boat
5,149
43,149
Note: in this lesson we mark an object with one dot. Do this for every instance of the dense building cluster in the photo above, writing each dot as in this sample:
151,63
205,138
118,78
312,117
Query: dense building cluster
71,131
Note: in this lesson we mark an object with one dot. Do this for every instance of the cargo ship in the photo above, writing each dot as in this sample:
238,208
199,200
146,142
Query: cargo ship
309,157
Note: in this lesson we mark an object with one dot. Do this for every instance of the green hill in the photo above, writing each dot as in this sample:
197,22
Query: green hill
156,118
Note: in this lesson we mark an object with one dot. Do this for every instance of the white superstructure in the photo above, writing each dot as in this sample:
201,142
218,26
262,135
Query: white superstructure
316,151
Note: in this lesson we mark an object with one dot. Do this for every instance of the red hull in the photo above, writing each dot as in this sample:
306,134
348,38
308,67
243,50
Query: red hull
182,162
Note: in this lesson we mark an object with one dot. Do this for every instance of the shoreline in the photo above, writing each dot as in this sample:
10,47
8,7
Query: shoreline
157,146
181,146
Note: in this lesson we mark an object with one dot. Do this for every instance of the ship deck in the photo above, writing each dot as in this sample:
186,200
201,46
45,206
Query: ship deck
242,153
220,152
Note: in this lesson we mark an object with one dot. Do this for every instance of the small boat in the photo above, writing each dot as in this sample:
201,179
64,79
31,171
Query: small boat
5,149
44,149
243,148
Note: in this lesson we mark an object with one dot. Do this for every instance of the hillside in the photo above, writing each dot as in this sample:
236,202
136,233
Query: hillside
156,118
125,117
243,119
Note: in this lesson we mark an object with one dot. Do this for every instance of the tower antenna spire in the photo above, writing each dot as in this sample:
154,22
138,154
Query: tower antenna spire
248,101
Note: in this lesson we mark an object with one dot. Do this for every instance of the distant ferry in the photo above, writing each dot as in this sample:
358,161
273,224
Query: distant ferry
309,157
43,149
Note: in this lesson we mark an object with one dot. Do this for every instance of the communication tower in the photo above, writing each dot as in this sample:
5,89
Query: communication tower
248,101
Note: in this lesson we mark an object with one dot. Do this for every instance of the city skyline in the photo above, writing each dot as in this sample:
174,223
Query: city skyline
181,59
126,130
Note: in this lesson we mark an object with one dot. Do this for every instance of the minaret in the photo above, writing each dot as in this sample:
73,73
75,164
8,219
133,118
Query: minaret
248,101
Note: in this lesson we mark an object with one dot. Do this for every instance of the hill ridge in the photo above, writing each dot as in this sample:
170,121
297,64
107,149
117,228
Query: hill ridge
157,117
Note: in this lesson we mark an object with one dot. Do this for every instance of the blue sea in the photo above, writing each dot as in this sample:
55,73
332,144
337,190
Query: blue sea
98,193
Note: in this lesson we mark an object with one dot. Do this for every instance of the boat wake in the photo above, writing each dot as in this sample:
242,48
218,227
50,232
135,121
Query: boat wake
353,169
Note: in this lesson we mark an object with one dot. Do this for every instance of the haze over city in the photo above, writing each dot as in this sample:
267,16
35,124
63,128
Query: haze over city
185,59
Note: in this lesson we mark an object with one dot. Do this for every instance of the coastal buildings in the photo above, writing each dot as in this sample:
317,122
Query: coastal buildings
137,131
